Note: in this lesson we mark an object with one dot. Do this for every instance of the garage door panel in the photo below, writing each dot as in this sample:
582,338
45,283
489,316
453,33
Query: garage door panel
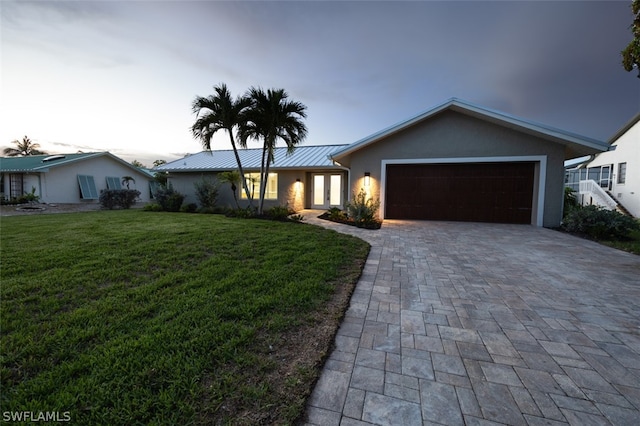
476,192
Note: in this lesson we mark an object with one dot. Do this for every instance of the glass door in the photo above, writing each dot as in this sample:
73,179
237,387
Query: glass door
327,191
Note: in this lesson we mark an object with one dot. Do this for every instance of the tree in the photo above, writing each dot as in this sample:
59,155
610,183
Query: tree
24,147
220,112
158,163
232,178
631,54
138,164
271,117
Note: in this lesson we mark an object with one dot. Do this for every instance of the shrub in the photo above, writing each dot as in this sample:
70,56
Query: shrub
599,223
363,210
570,200
168,198
189,208
118,198
206,193
249,212
335,214
153,207
280,213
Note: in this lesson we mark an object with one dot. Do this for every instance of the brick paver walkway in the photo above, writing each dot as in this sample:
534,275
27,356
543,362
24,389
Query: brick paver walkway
466,323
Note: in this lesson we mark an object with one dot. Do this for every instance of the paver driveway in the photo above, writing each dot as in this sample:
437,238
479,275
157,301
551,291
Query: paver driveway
466,323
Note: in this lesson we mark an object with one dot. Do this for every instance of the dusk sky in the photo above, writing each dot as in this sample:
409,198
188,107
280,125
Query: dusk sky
120,76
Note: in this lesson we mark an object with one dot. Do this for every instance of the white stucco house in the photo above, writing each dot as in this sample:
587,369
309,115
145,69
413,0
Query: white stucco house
456,161
70,178
611,179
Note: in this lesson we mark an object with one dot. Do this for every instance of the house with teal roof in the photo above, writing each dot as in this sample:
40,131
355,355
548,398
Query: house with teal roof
70,178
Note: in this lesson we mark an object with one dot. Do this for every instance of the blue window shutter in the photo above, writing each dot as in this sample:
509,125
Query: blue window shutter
87,187
113,183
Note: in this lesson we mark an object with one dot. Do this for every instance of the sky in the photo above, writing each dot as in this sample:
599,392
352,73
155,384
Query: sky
121,76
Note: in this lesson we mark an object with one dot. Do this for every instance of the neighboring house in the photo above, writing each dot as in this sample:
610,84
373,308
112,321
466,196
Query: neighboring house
612,179
457,161
70,178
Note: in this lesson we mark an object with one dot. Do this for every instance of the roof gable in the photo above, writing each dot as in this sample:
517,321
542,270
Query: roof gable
624,129
306,157
577,144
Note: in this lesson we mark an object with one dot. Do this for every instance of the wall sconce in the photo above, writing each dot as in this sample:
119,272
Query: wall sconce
298,184
367,178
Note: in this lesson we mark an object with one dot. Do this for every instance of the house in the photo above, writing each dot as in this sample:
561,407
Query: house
305,179
612,179
70,178
457,161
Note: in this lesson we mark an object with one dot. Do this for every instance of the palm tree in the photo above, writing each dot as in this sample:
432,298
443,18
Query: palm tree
220,112
272,116
231,178
127,179
24,147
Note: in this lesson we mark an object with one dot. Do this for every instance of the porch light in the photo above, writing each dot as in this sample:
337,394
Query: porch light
367,178
298,184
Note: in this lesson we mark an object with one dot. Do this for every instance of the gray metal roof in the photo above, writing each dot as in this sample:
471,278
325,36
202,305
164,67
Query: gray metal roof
303,157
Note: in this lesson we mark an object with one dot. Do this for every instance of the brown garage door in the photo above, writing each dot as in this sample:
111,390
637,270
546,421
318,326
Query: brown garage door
470,192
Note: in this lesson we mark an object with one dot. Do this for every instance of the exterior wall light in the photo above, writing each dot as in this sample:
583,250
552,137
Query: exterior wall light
367,178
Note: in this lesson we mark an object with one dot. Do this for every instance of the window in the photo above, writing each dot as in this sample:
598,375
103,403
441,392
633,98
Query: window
153,187
16,185
622,172
253,182
113,183
88,189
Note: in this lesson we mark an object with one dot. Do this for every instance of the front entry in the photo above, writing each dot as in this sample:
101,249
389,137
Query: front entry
327,191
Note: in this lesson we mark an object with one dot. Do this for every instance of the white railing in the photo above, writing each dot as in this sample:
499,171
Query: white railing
597,195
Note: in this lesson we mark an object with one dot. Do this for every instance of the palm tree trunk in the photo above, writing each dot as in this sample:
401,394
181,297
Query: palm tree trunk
243,180
263,177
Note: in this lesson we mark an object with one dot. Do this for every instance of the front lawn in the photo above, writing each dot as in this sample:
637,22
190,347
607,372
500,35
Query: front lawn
131,317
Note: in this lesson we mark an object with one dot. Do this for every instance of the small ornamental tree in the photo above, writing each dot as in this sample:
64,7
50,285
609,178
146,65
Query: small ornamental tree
206,193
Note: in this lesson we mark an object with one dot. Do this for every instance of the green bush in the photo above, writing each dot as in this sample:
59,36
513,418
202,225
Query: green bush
336,214
363,210
600,223
570,200
118,198
153,207
280,213
189,208
168,198
247,213
206,193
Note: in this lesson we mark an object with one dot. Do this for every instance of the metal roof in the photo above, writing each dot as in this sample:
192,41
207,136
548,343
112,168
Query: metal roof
42,163
303,157
577,144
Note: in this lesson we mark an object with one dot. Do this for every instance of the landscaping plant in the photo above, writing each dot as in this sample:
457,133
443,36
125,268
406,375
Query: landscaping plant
118,198
206,193
363,210
599,223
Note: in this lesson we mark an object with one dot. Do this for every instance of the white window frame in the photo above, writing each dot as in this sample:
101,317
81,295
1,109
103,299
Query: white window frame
253,182
622,173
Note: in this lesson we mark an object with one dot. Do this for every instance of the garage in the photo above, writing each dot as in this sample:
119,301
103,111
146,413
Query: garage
469,192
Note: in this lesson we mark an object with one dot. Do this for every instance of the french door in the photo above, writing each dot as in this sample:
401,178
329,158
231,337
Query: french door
326,191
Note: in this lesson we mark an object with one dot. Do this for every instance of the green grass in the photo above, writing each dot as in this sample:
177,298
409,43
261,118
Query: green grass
130,317
632,244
